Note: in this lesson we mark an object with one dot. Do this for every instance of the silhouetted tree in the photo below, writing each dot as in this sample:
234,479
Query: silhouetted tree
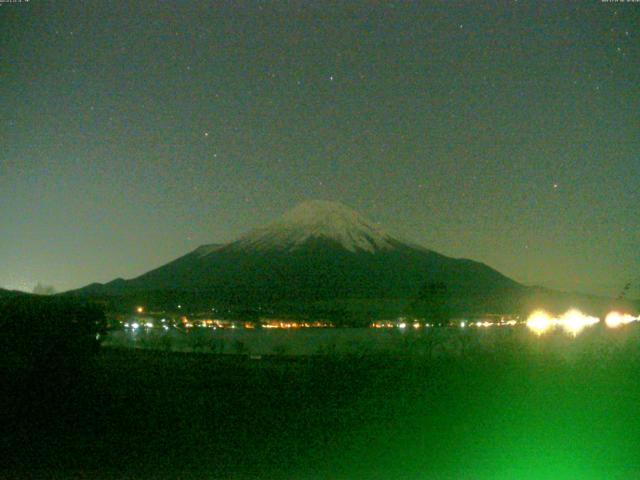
49,334
41,289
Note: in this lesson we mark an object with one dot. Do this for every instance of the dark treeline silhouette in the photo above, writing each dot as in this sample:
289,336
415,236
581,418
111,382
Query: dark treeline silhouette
433,301
46,345
48,350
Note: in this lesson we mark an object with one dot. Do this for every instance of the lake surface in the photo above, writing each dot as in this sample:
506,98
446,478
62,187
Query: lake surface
431,342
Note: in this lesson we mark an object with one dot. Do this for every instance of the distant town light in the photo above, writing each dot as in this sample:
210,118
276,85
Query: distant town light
617,319
539,322
572,322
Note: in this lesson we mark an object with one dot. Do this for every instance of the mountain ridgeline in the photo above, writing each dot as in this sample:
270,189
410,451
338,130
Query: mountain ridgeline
321,259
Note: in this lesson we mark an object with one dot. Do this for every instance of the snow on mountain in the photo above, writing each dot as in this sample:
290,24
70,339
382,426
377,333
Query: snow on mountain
319,253
318,219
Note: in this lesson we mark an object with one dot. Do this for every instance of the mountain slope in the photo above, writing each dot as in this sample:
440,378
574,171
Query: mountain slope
11,293
318,251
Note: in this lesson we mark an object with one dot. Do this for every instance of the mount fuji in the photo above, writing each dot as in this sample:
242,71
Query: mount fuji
320,251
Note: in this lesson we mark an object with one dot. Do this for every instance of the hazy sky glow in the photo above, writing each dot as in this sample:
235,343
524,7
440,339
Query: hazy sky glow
133,132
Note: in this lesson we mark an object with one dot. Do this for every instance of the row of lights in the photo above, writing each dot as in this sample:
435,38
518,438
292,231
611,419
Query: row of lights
462,324
401,325
486,324
136,325
574,321
215,324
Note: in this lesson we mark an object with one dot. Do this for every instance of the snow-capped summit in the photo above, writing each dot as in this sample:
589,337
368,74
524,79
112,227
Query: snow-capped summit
321,220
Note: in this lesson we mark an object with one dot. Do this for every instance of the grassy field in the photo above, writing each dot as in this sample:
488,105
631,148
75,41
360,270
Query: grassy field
507,414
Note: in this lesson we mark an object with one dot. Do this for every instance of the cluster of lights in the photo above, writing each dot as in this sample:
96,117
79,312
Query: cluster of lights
617,319
212,324
291,324
486,323
462,324
401,325
205,323
572,322
383,325
281,324
135,325
539,322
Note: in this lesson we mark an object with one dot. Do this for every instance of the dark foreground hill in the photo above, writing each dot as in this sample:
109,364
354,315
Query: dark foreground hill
509,413
4,294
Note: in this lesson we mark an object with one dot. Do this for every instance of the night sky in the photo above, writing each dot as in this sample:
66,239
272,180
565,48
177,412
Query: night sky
505,132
